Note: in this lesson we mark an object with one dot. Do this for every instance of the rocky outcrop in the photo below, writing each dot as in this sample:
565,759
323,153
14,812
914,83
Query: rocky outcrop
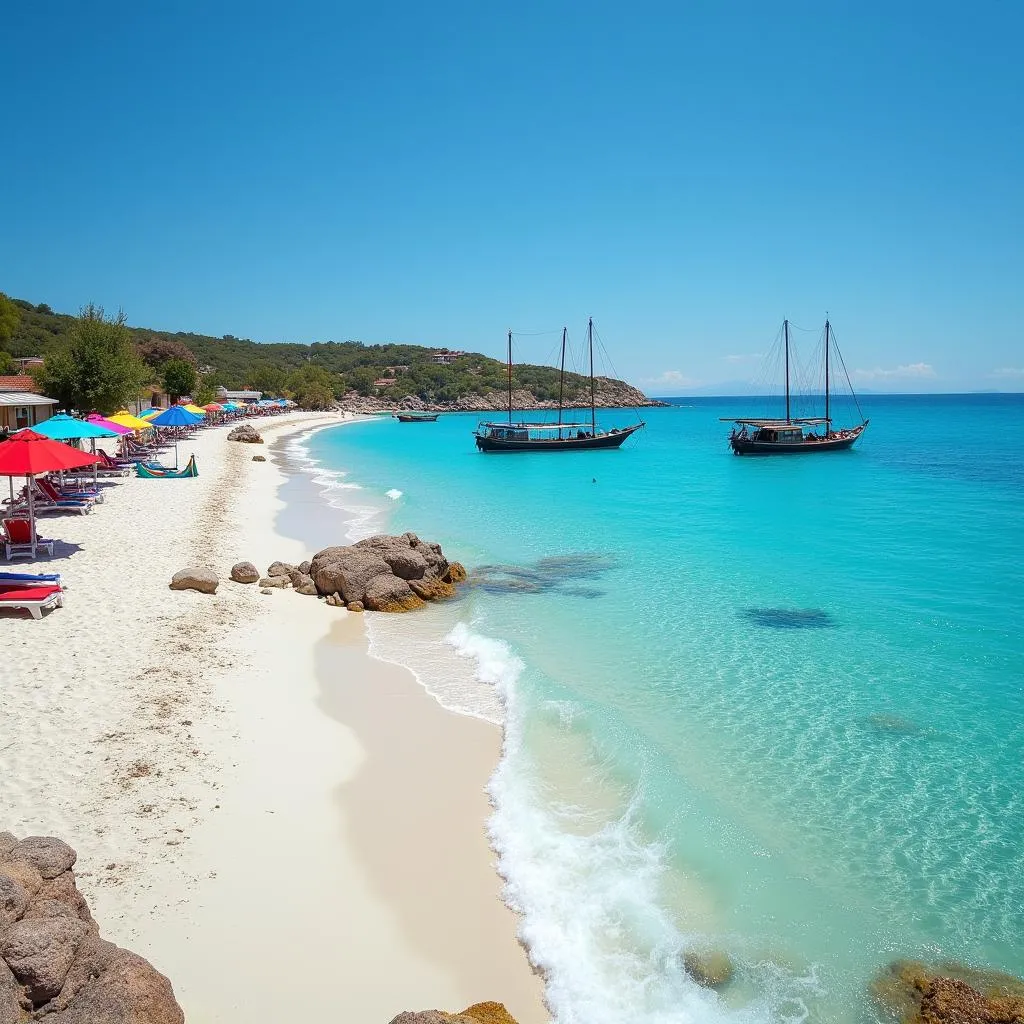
203,580
246,433
259,458
245,572
709,968
53,963
383,573
478,1013
280,569
916,993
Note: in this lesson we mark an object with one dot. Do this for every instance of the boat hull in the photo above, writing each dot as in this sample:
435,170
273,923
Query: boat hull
612,439
416,419
746,446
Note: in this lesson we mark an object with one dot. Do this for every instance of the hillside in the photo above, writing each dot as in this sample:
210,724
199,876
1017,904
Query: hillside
472,380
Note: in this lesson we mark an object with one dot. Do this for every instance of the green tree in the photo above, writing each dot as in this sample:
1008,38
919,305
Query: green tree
157,351
316,396
313,387
361,380
10,317
205,391
97,367
179,378
271,380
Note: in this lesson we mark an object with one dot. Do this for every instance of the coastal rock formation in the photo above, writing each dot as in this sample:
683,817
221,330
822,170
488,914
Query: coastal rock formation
245,572
478,1013
53,963
259,458
280,569
275,581
203,580
385,573
245,433
951,993
710,968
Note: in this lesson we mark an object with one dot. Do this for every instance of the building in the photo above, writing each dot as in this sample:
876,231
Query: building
25,362
223,395
445,357
20,406
383,382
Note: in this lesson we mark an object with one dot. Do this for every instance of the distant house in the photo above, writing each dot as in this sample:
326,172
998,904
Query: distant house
395,370
383,382
20,406
445,357
238,396
27,361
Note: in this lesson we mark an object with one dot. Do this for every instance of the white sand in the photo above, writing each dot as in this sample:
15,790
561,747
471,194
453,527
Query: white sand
229,826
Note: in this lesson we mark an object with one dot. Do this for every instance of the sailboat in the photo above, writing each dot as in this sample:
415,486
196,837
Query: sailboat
796,435
519,436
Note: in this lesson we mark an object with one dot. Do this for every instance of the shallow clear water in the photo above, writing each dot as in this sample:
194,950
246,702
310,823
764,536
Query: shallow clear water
777,708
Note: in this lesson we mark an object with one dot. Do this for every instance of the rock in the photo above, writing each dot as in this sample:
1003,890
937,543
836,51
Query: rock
275,581
478,1013
710,968
432,589
7,843
347,570
49,856
203,580
304,567
355,606
280,569
245,572
488,1013
122,988
456,572
13,1000
388,593
405,561
13,900
308,589
952,993
63,890
245,433
24,874
39,952
259,458
266,590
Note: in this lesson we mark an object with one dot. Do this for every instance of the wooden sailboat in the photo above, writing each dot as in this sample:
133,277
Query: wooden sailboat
416,417
796,435
519,436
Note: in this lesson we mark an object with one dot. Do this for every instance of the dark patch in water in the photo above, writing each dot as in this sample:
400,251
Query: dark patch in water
789,618
893,724
550,573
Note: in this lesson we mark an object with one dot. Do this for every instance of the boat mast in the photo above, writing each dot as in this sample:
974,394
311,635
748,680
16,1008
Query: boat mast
590,339
785,327
510,375
561,379
828,422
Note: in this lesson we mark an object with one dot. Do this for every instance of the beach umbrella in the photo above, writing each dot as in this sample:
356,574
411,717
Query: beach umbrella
175,416
149,414
213,407
28,454
195,410
126,419
63,427
101,421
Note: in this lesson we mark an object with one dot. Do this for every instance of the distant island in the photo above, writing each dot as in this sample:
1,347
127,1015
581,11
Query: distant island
356,375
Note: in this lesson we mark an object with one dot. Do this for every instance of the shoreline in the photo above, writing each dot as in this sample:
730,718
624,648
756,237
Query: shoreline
186,753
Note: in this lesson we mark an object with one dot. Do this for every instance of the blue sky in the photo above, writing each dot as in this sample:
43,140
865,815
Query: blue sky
686,173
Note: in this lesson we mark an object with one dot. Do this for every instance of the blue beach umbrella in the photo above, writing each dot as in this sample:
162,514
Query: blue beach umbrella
176,416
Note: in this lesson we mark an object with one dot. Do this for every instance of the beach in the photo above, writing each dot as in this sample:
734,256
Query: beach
283,825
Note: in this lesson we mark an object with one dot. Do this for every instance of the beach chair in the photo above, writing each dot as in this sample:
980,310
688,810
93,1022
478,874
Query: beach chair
45,505
55,493
31,579
18,540
34,600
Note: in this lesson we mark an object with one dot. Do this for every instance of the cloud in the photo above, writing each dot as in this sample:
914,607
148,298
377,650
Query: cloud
1008,371
911,370
673,379
750,357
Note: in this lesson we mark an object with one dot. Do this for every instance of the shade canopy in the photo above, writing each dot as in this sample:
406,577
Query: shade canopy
149,414
214,407
115,428
63,427
28,454
175,416
196,410
126,419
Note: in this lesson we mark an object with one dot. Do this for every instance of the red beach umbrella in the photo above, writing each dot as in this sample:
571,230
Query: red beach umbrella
28,454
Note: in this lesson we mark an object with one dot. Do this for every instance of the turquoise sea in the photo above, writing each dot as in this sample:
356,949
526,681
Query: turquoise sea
770,706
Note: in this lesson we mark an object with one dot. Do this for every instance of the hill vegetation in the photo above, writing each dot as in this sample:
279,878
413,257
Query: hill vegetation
314,374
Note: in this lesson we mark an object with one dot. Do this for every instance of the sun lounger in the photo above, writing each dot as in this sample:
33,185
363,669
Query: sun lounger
33,579
55,493
34,600
18,541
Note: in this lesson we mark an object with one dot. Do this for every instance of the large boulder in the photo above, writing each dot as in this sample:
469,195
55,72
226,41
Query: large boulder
245,572
7,843
347,571
388,593
432,589
14,1004
709,968
49,856
39,952
275,581
246,433
280,569
478,1013
405,561
203,580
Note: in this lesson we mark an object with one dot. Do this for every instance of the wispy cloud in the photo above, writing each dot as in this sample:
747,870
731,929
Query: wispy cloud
748,358
673,379
1008,371
910,371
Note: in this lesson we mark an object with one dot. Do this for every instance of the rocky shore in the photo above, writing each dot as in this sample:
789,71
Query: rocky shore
608,394
53,963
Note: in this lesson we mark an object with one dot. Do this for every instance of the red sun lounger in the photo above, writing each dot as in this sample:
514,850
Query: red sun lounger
34,600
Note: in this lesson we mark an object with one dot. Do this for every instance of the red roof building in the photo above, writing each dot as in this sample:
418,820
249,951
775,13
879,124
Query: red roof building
20,382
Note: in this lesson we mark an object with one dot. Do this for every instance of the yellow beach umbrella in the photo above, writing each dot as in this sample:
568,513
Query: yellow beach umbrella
196,410
126,419
150,413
